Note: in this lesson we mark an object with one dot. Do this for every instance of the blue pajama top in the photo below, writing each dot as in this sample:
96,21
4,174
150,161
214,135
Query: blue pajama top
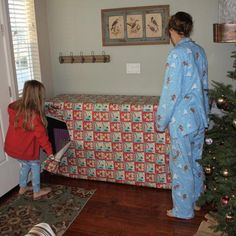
183,106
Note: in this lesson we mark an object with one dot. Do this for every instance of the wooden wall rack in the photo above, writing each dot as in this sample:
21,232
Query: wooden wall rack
103,58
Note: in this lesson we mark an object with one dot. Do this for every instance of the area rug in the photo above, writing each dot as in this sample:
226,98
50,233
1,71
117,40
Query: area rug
58,209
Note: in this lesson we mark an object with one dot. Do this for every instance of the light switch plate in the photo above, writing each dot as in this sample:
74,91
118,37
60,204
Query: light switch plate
133,68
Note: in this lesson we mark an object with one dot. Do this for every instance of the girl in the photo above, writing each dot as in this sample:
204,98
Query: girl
26,134
183,108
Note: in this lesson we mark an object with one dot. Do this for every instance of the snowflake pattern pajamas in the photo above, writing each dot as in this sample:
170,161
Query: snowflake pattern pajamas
183,108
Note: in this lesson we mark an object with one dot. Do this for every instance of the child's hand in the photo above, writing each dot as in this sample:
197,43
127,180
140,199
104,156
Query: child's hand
53,166
51,157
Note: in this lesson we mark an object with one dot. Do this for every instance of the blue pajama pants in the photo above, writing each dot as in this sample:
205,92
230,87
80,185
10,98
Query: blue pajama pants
34,166
187,174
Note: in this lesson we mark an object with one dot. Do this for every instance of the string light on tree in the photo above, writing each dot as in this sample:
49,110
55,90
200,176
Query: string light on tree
213,188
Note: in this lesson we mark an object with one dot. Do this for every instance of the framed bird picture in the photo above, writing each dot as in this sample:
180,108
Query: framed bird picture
135,25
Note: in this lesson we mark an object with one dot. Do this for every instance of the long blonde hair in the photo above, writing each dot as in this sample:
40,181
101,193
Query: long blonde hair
30,104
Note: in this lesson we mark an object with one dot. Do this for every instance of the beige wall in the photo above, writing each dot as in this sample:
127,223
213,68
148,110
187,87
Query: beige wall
75,25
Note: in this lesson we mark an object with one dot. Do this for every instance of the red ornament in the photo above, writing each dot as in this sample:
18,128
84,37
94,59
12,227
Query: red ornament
225,200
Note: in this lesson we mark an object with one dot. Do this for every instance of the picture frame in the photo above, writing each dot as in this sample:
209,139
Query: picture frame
135,25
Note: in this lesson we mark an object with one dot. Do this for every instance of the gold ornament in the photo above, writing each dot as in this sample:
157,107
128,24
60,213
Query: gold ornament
234,123
225,173
223,103
229,216
208,170
221,100
220,103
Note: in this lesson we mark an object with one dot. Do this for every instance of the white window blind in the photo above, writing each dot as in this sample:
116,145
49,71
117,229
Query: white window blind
25,43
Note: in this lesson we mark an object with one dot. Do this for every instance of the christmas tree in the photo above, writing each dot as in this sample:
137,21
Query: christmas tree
219,156
232,74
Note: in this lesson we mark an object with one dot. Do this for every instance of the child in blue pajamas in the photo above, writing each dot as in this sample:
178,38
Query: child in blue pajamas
183,108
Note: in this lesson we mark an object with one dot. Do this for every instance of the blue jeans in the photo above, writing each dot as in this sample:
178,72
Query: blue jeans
26,166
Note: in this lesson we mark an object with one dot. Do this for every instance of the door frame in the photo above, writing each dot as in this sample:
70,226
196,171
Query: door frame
9,166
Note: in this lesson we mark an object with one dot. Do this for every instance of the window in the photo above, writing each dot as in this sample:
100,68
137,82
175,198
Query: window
25,43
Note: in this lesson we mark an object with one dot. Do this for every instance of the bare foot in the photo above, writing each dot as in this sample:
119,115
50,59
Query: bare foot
169,213
41,193
197,208
23,190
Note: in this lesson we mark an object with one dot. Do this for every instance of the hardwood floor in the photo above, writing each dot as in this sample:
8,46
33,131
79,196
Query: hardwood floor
125,210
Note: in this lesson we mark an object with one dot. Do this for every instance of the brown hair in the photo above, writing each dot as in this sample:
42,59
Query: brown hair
182,23
30,104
